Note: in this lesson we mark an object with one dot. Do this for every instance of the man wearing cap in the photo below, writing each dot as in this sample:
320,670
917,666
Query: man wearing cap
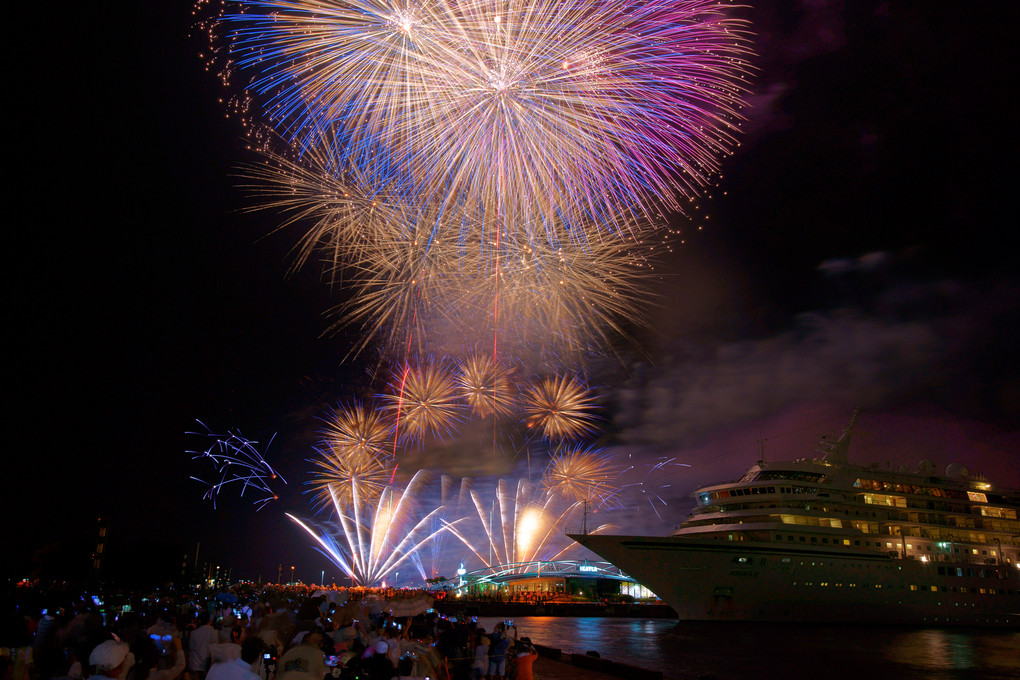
107,660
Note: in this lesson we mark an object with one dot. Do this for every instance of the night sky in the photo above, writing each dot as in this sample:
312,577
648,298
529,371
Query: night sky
860,250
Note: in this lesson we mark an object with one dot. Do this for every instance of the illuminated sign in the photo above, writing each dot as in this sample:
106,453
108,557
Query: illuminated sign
588,568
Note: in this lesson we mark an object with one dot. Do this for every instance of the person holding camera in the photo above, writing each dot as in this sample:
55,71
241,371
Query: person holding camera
499,645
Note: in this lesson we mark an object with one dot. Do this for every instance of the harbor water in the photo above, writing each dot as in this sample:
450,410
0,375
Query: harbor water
725,651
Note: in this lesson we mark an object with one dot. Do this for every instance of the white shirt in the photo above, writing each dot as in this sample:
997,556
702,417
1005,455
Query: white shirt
237,669
198,644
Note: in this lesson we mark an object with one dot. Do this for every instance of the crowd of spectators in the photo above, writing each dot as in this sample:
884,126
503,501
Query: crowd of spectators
272,634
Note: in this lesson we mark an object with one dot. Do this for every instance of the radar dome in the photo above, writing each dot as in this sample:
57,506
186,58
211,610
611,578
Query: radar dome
926,467
956,470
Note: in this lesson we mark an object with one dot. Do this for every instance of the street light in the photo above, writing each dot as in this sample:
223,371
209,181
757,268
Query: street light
292,574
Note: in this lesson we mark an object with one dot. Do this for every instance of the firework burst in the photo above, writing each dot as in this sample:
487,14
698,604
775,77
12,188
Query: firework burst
524,113
352,455
411,283
559,407
237,462
423,398
485,385
357,430
582,474
338,472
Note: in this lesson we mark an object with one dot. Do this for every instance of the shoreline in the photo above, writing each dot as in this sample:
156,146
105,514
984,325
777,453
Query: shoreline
554,665
566,609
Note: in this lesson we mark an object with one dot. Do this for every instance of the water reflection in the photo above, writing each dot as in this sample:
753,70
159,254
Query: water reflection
789,651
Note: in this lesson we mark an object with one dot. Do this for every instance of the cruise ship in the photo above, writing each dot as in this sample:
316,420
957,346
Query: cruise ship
822,540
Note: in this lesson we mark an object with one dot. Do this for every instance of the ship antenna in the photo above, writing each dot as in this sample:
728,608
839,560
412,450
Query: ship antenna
761,449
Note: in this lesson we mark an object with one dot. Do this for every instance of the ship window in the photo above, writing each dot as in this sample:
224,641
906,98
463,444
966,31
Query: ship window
814,539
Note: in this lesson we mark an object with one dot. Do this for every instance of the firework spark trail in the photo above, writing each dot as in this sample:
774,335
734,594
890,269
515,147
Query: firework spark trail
586,108
526,525
237,461
369,543
654,482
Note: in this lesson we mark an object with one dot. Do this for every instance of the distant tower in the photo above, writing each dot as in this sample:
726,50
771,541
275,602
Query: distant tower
97,556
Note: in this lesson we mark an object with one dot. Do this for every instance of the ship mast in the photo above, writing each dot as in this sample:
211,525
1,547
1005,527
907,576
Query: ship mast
837,452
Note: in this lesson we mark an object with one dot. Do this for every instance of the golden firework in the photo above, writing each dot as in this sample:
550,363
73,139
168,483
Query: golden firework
560,407
422,398
423,275
581,474
485,385
338,472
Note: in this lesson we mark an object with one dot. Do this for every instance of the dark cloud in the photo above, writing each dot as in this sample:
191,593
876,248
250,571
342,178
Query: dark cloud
935,343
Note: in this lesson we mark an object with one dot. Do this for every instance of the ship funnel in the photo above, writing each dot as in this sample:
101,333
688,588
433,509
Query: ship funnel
837,452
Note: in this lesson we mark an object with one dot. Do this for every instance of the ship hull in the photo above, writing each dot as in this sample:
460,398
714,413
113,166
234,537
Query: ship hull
712,580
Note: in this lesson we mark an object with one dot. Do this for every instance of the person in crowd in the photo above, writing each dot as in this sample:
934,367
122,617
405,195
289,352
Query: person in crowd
524,659
392,637
229,650
247,667
148,655
199,642
481,651
304,661
405,668
108,659
499,645
178,659
379,665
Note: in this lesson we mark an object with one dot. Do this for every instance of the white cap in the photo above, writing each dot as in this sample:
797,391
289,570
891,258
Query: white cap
108,655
